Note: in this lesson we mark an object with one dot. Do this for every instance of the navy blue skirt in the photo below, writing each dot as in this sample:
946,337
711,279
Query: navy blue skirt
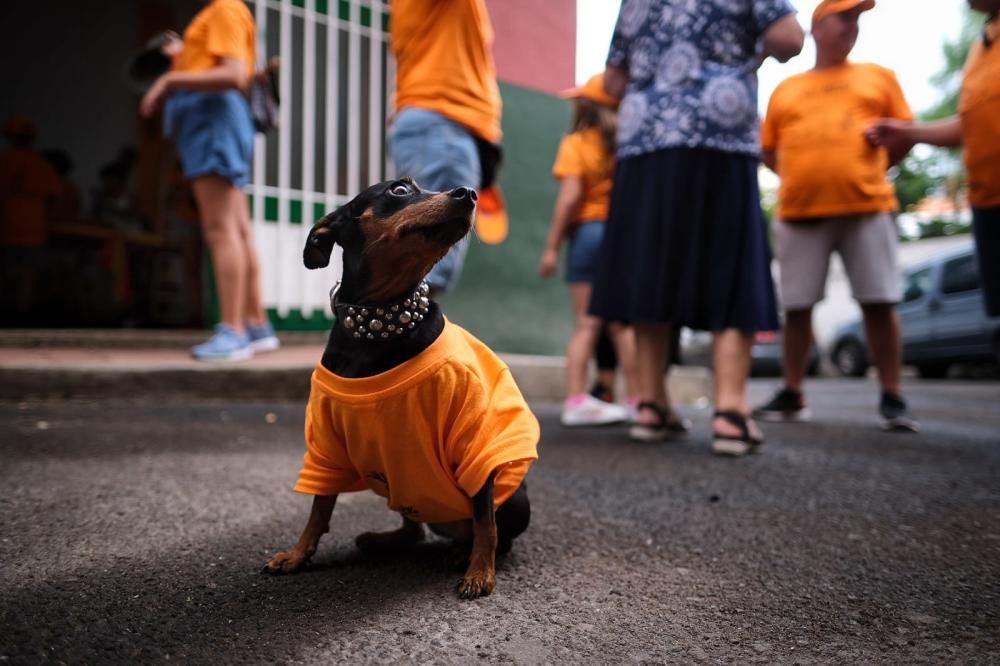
685,244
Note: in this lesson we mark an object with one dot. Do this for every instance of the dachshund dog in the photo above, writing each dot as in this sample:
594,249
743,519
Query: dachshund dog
405,403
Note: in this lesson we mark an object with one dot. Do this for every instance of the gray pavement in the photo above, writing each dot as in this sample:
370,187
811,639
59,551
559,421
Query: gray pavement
133,531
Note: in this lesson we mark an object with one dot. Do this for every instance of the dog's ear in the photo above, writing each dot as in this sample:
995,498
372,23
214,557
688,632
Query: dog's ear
323,235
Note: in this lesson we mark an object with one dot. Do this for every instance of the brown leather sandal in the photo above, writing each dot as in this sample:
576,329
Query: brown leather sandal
668,425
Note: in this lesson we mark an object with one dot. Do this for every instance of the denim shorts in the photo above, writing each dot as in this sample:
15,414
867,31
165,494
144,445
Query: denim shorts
440,155
584,249
213,132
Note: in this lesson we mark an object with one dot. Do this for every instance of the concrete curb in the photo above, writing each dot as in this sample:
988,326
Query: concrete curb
82,373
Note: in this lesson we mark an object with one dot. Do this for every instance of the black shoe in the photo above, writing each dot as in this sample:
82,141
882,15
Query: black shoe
895,416
786,405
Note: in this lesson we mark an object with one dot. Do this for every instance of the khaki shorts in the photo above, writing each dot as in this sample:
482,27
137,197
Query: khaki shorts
867,245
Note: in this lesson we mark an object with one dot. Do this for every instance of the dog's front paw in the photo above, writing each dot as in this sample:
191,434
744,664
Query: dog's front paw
286,562
478,583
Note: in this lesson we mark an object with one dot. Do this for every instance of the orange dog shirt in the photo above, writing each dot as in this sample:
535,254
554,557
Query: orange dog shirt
425,435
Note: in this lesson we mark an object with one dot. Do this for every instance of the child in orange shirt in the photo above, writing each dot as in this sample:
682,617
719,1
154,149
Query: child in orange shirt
584,167
977,128
835,197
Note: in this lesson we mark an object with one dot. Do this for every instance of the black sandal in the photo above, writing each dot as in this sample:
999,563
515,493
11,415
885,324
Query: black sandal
731,445
668,425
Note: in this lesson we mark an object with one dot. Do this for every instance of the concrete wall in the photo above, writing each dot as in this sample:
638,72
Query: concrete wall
500,297
535,45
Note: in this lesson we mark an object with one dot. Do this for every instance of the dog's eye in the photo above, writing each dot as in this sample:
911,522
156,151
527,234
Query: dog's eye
400,190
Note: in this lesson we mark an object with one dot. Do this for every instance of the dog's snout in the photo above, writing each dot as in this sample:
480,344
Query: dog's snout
462,193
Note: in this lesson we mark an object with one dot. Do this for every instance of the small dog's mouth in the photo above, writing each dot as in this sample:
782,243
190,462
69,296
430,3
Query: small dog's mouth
444,232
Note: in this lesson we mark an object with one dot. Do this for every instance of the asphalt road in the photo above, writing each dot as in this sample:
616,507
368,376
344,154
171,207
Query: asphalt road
134,532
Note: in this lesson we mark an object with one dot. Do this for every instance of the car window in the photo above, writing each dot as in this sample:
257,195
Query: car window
917,284
960,275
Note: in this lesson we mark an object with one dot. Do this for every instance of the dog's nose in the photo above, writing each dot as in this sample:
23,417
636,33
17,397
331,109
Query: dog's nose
461,193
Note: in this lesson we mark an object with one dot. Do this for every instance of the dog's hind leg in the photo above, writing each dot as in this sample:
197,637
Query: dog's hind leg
480,577
293,559
408,535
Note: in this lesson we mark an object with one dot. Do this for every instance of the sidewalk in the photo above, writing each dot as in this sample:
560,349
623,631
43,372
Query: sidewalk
156,363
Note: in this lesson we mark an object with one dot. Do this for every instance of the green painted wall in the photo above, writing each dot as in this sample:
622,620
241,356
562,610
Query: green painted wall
500,297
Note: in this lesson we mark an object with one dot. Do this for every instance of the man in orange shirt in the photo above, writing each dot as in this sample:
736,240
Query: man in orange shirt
28,187
447,103
977,128
835,197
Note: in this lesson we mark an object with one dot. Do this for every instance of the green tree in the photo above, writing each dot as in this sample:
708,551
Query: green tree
939,170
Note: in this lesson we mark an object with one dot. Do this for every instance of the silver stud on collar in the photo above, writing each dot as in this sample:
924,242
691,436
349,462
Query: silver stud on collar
378,321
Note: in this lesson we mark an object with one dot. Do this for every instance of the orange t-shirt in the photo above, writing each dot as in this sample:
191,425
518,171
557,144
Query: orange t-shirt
27,183
444,62
979,110
425,435
582,154
223,29
815,123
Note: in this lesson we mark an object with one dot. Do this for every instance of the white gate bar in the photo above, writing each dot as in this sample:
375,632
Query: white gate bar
332,107
354,100
375,122
285,298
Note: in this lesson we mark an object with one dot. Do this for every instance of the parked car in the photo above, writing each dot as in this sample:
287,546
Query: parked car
942,316
765,355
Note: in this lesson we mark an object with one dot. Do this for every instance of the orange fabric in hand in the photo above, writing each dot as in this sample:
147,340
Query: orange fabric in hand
815,123
223,29
444,62
582,154
979,110
424,435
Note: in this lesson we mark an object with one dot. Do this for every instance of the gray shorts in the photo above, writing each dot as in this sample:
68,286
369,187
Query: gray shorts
867,245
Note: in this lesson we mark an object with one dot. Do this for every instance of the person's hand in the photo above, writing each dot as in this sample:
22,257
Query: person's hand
153,98
171,44
889,132
549,263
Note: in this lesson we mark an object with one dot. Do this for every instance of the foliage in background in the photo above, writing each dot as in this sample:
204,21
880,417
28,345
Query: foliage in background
939,171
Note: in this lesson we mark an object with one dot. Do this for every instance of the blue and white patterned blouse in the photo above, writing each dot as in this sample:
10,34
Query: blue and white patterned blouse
692,73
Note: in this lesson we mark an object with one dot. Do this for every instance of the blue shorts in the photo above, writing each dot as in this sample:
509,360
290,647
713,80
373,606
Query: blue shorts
440,155
213,132
584,249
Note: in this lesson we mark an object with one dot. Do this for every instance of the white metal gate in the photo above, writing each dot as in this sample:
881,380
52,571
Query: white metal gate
335,83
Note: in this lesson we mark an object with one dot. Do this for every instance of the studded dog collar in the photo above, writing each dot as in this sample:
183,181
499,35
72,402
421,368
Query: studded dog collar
381,321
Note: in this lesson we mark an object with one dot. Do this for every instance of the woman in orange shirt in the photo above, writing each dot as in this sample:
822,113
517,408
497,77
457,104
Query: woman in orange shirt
584,166
209,119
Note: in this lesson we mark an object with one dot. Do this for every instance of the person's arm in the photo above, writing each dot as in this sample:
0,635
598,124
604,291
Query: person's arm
567,204
895,134
784,38
770,159
229,74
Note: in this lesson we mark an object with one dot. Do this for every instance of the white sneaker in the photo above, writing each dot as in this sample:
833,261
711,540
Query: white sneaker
589,411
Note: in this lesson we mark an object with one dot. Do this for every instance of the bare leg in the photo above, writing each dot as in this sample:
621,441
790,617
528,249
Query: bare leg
293,559
220,223
582,341
883,333
731,360
798,341
254,304
651,355
623,338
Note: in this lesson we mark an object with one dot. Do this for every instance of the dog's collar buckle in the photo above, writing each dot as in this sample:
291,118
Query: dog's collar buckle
382,321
